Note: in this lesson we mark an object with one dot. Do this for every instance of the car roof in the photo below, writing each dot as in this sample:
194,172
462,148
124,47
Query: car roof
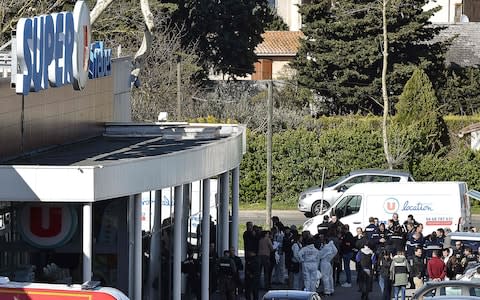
292,294
381,172
430,284
453,298
464,235
449,283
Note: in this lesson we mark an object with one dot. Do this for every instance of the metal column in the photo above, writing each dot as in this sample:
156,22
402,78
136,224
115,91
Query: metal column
235,207
205,238
138,264
185,221
87,241
131,245
154,271
177,244
185,228
135,247
224,218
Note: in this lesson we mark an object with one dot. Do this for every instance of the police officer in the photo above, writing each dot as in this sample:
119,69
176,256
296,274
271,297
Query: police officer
227,270
191,267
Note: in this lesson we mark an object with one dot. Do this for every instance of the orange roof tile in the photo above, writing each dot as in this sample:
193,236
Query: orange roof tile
279,43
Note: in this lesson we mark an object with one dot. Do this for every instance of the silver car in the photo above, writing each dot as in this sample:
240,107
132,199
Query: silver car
310,201
291,295
448,289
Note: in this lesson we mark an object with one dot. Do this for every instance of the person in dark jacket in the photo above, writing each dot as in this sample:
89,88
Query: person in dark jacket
252,276
191,267
397,240
453,268
371,229
418,268
432,243
250,241
366,259
226,270
360,240
412,243
383,268
346,249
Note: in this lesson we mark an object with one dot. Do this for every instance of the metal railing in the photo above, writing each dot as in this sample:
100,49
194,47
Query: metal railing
6,60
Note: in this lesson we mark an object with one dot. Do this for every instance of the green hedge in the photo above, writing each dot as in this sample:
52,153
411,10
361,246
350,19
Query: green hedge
342,144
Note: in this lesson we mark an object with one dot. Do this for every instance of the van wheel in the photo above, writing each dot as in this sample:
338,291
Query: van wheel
317,208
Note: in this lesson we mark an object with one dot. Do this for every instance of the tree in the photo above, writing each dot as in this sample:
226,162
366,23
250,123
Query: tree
12,10
418,123
227,32
276,23
459,93
341,56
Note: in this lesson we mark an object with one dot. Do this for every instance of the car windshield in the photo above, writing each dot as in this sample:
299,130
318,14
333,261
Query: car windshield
335,181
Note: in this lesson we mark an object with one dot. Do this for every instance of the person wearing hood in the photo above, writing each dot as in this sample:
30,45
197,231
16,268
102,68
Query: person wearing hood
309,256
399,273
327,253
383,267
366,260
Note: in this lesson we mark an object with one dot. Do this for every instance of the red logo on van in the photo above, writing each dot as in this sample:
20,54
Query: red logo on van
391,205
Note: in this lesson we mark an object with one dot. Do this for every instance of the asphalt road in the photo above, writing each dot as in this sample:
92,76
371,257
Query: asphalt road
289,217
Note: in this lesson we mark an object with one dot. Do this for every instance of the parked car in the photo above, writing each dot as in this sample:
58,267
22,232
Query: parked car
468,239
471,273
451,289
291,295
310,201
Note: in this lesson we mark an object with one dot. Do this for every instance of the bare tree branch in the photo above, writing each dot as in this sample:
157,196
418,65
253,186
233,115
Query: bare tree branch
98,9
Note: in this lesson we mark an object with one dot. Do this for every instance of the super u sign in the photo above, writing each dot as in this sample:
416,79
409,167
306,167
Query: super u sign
53,50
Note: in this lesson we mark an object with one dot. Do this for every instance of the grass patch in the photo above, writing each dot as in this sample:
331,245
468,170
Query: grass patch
241,230
262,206
475,210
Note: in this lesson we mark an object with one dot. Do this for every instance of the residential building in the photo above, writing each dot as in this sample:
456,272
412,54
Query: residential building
275,53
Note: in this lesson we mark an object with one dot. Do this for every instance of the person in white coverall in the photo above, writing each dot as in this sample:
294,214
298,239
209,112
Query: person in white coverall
309,256
327,253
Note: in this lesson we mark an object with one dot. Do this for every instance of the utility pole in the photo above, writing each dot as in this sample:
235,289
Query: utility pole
268,217
179,86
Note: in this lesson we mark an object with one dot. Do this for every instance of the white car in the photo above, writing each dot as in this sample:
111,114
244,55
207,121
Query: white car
310,201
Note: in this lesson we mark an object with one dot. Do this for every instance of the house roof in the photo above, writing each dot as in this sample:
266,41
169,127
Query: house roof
279,43
469,129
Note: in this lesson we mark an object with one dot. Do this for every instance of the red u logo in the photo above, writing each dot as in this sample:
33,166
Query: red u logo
391,206
54,221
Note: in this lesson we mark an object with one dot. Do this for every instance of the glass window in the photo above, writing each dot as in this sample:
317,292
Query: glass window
353,205
339,210
348,206
451,291
358,179
475,292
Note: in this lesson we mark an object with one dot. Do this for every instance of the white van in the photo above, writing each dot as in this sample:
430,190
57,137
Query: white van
434,204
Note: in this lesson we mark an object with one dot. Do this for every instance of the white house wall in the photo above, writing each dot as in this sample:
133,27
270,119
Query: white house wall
288,10
447,12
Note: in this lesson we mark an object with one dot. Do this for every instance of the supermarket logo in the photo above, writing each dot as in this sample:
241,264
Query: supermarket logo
391,205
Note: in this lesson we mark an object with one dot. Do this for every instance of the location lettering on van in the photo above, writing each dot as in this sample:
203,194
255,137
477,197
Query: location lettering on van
417,207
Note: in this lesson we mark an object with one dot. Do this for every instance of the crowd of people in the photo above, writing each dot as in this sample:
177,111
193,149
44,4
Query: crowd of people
396,254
